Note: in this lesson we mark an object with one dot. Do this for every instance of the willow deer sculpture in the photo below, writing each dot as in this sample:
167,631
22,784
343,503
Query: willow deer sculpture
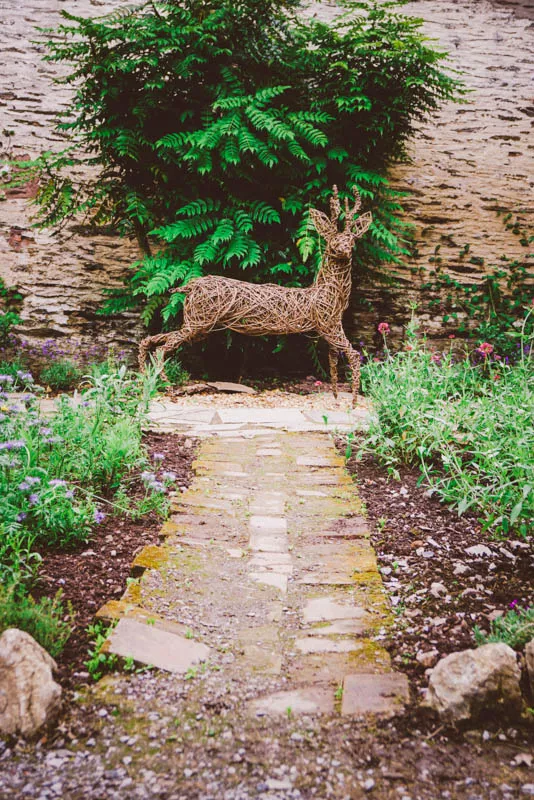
215,303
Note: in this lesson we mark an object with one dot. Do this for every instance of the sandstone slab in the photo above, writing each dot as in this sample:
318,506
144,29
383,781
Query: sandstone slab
147,644
383,695
328,609
308,700
325,645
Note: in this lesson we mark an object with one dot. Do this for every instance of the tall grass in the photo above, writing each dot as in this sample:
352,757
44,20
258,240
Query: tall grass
468,426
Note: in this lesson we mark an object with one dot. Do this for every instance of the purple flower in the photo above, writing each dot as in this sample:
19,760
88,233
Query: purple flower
158,457
45,431
33,499
57,482
32,480
146,476
6,379
156,486
513,604
169,476
21,516
69,494
14,444
99,517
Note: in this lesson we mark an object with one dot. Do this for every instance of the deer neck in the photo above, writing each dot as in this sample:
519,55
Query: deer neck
336,272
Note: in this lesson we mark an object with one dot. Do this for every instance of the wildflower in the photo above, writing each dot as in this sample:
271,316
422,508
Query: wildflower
57,482
6,379
436,358
22,516
169,476
158,457
24,486
25,376
147,476
45,431
383,328
99,517
486,349
452,336
33,480
156,486
318,383
408,348
14,444
513,604
33,499
69,494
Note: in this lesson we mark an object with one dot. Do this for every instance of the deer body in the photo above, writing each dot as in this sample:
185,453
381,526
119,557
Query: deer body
216,303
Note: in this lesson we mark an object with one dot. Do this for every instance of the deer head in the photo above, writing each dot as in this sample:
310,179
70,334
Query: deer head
340,243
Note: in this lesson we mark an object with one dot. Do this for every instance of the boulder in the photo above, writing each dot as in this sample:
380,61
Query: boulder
529,658
30,699
464,685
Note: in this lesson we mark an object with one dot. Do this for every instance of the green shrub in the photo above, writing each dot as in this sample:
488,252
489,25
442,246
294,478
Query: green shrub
468,426
61,375
176,372
515,628
216,125
56,472
47,620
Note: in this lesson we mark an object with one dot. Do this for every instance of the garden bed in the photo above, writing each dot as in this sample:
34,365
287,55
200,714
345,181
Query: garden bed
96,571
440,591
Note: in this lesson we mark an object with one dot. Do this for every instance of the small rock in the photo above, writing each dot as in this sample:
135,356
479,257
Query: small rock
427,658
438,589
30,699
461,569
368,785
464,684
478,550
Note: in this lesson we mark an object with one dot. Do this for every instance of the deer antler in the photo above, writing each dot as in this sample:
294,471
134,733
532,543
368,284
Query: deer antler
349,214
335,207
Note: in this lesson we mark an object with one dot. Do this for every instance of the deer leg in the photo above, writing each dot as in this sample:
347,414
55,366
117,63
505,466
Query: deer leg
332,358
146,346
339,341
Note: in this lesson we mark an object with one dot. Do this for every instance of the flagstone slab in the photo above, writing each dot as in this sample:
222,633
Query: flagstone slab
319,461
150,557
275,579
148,644
340,627
266,524
267,543
308,700
267,503
324,645
328,609
383,695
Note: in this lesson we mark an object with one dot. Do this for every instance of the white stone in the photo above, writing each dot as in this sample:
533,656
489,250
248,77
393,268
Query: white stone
264,524
265,543
465,684
30,699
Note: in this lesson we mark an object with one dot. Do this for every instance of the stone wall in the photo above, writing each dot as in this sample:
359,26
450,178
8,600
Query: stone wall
469,161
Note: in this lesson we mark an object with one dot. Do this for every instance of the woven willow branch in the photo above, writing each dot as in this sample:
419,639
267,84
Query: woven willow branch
214,303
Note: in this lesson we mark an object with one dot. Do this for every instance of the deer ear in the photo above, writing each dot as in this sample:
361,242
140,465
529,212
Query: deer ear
323,225
360,224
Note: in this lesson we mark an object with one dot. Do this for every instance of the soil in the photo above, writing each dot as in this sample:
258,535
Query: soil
105,560
441,591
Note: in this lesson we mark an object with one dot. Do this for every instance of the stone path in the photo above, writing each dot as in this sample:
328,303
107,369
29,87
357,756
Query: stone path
265,571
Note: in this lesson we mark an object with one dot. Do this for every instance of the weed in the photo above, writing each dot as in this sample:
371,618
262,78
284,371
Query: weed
515,628
47,620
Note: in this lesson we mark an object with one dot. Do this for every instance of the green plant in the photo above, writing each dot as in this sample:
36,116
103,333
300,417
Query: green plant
99,662
48,620
9,317
176,372
515,628
214,125
61,375
468,424
489,308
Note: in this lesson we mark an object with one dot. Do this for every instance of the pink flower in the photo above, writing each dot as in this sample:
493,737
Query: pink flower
383,328
513,604
318,383
485,348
